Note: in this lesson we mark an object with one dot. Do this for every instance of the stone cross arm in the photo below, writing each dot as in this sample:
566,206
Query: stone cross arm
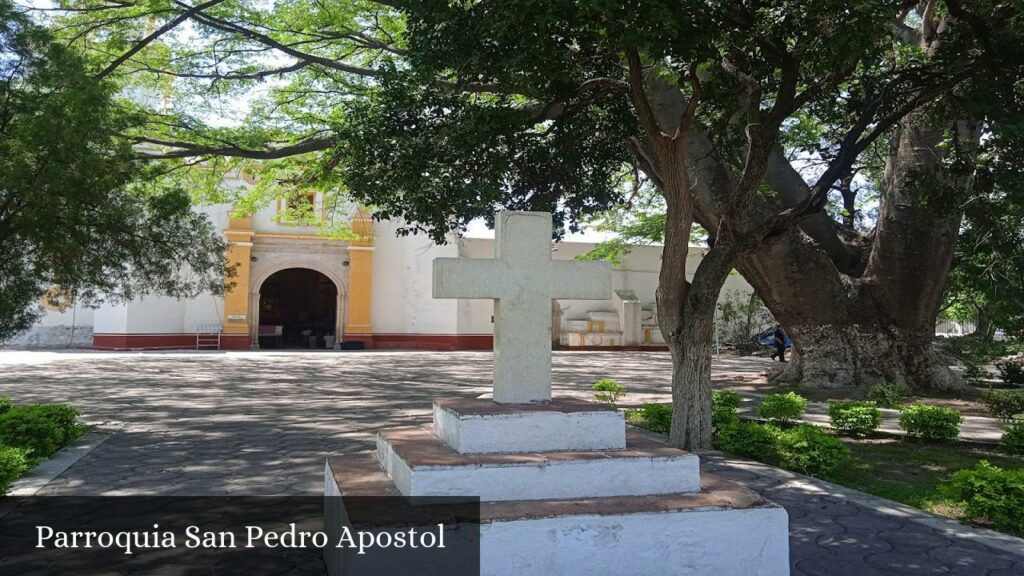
522,279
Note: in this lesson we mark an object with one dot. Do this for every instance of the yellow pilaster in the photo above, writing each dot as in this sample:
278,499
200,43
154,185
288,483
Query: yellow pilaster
360,278
236,299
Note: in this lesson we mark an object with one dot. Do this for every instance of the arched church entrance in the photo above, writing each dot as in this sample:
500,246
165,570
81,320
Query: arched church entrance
298,308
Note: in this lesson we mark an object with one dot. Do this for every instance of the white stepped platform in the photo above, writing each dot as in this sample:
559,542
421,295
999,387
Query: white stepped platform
476,426
420,464
722,530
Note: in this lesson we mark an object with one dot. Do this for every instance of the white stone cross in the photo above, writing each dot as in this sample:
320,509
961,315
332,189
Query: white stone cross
522,280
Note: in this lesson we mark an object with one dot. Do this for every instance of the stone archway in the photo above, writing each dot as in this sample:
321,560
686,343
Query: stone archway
258,279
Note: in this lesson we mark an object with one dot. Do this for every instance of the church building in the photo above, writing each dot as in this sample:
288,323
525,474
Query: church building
298,289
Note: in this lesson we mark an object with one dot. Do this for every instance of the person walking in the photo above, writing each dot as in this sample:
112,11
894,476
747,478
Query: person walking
780,344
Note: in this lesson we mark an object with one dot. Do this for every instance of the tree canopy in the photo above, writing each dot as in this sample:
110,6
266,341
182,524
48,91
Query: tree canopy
80,217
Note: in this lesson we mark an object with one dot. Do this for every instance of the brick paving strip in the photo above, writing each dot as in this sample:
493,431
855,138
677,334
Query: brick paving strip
263,423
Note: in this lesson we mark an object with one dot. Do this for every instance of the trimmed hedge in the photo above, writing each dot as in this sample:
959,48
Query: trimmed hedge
854,417
723,409
1013,438
931,422
758,441
12,465
889,395
994,494
1003,404
39,430
782,408
810,450
658,417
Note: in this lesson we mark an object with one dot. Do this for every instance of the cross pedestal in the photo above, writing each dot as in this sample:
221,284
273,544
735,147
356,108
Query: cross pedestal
564,488
522,279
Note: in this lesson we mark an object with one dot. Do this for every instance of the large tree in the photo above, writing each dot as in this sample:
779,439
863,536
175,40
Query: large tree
744,115
79,219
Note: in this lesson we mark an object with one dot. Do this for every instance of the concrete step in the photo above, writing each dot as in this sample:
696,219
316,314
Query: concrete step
420,464
481,425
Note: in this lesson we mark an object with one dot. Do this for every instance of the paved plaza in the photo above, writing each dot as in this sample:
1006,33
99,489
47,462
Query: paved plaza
262,423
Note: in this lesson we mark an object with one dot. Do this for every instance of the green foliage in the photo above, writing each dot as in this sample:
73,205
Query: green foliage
40,429
1013,437
723,409
854,418
12,466
782,408
608,391
1011,371
658,417
78,209
993,494
751,439
889,394
5,404
1004,404
931,422
26,428
810,450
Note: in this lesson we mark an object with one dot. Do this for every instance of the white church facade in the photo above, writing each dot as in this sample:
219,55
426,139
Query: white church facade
296,288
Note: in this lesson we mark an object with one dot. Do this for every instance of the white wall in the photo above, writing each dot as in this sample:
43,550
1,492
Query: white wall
639,272
402,285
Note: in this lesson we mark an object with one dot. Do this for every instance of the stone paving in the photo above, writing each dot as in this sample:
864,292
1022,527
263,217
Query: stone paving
262,423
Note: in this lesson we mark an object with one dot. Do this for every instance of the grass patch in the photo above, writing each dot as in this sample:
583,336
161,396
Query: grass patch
912,472
908,471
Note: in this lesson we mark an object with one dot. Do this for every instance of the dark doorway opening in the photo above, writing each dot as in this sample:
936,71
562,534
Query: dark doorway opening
298,308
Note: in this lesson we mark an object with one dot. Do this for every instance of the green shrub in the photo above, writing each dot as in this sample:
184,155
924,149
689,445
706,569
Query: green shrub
39,430
723,409
608,391
810,450
782,407
727,398
931,422
1003,404
658,417
5,404
12,466
994,494
1013,438
889,395
854,418
1011,371
758,441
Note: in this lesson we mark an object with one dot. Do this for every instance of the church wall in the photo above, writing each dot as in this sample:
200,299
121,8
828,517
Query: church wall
405,314
57,329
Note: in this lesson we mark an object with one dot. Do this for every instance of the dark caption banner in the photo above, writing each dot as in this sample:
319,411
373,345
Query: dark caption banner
251,535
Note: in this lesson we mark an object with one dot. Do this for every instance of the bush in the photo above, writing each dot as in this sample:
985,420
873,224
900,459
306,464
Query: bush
608,391
40,430
12,466
751,439
727,398
1011,371
5,404
782,407
810,450
658,417
931,422
723,409
1013,438
1003,404
854,418
993,494
889,395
